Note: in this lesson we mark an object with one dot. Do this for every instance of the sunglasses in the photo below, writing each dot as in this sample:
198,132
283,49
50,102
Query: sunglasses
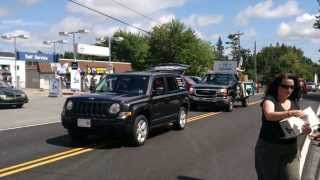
284,86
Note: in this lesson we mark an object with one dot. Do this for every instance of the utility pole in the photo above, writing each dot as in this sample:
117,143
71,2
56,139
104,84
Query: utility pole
255,62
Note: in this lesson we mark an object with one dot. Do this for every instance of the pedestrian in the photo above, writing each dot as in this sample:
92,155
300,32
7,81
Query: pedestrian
297,94
276,158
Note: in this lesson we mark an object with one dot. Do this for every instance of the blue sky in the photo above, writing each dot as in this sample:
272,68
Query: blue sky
264,21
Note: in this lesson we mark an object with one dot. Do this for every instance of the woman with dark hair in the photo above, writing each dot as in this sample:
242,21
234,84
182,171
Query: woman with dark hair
276,158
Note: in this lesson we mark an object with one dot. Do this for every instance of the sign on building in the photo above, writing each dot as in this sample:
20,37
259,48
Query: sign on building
92,50
40,57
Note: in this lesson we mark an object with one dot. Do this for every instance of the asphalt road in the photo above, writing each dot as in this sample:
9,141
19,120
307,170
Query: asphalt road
220,146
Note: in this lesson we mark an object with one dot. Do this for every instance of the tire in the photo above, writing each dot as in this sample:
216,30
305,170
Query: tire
245,102
181,121
76,135
229,107
140,130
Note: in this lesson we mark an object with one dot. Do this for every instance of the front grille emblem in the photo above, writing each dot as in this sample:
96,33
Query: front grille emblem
91,98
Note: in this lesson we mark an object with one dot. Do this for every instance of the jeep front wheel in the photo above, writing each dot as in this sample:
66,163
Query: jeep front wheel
140,130
181,120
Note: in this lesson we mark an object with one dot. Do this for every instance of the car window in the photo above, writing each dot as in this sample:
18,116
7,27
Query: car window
158,83
128,84
219,79
180,83
172,84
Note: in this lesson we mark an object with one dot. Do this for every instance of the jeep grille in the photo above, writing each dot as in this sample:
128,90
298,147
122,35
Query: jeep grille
91,109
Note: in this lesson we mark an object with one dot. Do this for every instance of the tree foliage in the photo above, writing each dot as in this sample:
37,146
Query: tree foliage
273,60
175,43
220,49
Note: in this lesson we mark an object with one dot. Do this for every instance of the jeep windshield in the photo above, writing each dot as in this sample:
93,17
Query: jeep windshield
218,79
124,84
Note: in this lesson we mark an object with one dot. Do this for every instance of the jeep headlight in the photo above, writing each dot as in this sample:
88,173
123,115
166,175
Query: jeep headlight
69,105
3,96
114,108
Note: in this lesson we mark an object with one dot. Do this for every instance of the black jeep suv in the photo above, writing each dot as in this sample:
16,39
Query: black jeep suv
133,102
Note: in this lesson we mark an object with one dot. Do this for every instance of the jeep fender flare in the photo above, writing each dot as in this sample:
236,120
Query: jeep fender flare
142,108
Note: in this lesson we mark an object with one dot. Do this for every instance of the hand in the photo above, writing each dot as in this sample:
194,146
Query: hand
306,129
296,113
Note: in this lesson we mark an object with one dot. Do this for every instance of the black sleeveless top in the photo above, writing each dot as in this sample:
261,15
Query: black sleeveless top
270,130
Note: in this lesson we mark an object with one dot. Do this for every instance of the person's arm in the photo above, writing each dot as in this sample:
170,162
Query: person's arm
268,110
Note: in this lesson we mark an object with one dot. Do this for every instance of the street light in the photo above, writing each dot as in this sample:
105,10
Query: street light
73,33
15,37
54,42
110,38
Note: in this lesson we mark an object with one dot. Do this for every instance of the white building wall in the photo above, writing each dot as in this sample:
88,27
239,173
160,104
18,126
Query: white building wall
21,70
44,80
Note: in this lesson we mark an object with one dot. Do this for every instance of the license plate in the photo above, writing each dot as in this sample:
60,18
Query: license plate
84,122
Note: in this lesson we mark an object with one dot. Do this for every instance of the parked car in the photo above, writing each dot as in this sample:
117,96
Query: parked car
11,97
311,86
133,103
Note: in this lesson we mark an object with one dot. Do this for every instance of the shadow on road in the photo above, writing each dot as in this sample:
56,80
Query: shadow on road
187,178
104,141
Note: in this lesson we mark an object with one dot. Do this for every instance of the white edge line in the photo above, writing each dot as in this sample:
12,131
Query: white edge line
33,125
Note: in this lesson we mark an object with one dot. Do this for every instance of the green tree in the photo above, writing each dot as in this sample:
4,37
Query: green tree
220,49
273,60
173,42
133,48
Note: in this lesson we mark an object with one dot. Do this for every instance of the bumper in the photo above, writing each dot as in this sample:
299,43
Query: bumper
219,101
96,124
14,101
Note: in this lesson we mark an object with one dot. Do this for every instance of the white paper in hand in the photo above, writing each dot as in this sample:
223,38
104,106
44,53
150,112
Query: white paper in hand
291,127
311,117
318,111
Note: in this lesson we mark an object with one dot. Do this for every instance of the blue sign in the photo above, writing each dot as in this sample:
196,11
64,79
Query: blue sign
40,57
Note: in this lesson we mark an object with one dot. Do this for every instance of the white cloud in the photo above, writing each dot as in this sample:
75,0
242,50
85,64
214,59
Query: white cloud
20,22
145,7
30,44
3,12
267,9
301,28
71,23
203,21
29,2
161,20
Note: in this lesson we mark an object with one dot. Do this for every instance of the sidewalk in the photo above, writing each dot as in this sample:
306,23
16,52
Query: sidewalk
45,92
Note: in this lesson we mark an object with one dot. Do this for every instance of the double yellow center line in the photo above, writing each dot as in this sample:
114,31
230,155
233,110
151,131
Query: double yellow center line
76,151
42,161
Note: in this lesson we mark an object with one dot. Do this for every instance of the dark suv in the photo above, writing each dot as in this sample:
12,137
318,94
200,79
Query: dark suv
132,102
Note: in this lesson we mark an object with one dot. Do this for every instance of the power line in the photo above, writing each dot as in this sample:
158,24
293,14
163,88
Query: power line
135,11
111,17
